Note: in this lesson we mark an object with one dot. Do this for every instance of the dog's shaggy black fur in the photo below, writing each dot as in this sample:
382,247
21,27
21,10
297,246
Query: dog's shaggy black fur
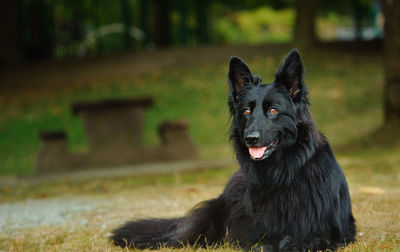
290,194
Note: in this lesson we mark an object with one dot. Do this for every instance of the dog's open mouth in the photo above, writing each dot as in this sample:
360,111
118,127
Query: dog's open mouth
260,153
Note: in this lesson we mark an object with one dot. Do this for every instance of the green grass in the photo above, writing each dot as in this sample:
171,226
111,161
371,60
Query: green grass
345,91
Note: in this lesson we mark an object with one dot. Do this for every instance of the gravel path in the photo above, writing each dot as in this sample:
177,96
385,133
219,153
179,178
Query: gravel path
32,213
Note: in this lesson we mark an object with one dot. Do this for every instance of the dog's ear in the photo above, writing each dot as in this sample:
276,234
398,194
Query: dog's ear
239,75
290,74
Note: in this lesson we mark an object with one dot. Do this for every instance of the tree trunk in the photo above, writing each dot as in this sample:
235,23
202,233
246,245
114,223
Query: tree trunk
40,24
96,8
126,13
162,23
9,52
304,31
202,15
392,61
183,26
144,24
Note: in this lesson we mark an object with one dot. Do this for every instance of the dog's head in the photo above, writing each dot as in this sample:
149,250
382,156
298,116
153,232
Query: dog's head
266,116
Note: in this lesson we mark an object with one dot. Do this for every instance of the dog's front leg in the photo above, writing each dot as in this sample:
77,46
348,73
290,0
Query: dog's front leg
284,245
264,248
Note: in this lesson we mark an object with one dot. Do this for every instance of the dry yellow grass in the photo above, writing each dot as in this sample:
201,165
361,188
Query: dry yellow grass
374,180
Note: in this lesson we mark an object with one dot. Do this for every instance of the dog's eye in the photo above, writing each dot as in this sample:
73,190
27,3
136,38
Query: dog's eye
247,112
273,111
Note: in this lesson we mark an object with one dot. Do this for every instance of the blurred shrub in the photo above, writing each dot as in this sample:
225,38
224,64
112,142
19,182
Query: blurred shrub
328,24
255,26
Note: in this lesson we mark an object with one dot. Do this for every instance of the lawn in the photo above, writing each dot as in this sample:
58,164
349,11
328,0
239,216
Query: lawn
345,90
372,179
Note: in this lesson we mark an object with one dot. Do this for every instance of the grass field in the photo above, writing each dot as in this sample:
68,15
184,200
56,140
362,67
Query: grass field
373,185
345,90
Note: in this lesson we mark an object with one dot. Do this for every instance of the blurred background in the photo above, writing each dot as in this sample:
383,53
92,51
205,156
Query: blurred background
54,53
57,29
57,53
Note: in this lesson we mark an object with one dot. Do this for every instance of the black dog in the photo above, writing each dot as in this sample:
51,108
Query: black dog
290,194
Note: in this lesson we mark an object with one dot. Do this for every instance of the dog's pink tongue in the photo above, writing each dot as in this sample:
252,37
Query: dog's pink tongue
257,152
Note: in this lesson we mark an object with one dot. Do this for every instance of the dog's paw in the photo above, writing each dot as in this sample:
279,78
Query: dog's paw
264,248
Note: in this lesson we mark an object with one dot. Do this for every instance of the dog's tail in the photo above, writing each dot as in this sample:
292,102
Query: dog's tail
202,226
142,234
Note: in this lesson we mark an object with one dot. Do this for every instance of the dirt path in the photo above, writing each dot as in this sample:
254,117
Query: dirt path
117,172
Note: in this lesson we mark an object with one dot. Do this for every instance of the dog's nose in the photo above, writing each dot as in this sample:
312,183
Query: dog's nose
252,138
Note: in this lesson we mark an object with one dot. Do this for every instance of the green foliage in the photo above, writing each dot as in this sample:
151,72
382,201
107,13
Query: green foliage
191,22
255,26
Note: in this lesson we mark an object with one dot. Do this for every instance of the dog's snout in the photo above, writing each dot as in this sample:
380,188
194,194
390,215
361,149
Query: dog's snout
252,138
